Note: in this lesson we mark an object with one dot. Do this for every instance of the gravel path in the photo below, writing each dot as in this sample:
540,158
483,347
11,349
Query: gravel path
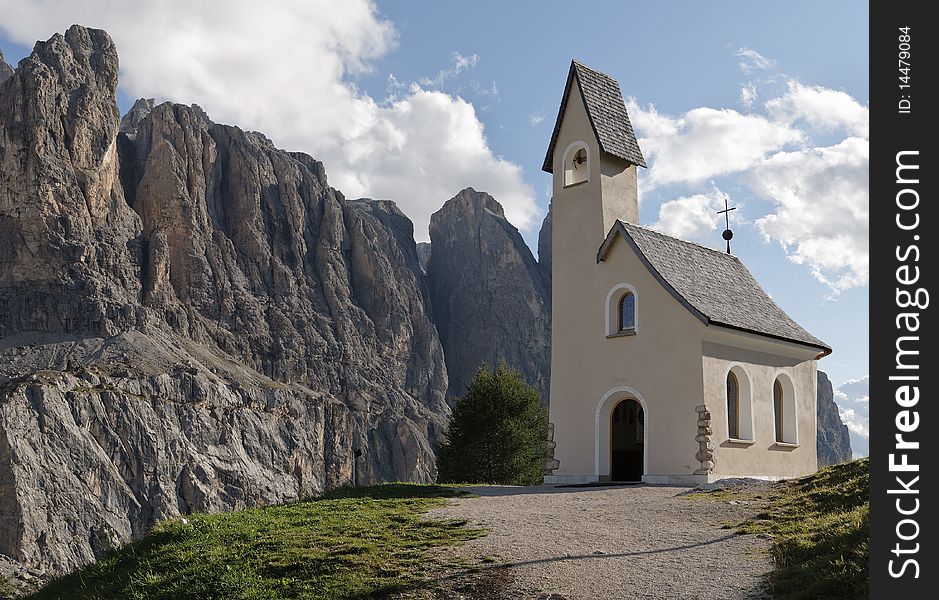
613,542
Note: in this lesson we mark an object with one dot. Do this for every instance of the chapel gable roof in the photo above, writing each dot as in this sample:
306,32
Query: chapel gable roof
716,287
606,112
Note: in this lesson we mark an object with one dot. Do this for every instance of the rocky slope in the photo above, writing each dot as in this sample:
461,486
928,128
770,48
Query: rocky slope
491,299
833,444
190,318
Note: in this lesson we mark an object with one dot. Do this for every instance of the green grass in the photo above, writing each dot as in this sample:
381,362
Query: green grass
819,526
350,543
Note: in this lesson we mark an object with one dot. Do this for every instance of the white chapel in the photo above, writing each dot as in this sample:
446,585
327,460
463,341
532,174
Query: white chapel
669,363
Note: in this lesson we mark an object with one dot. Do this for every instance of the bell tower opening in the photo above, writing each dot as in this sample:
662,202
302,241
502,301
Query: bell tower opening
576,164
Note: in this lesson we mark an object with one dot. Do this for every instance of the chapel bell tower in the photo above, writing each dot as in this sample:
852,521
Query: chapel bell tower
593,156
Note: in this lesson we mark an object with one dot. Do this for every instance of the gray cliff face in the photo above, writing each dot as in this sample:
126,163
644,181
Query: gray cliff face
190,318
137,113
490,297
833,443
544,245
423,254
5,69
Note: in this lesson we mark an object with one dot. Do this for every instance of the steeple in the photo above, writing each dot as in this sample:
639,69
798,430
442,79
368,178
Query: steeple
593,155
606,111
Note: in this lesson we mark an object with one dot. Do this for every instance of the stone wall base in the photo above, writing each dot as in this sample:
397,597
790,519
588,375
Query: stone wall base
677,480
569,479
680,480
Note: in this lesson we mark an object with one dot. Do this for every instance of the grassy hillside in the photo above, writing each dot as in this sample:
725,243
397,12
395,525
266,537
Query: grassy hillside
819,526
350,543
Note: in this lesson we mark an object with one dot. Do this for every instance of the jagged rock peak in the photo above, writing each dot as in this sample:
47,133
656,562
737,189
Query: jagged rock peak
489,295
82,52
833,442
470,201
75,264
137,113
5,69
544,244
142,109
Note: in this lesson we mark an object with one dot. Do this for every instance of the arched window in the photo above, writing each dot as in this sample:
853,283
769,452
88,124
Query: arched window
739,406
627,312
576,164
784,411
621,311
733,406
778,410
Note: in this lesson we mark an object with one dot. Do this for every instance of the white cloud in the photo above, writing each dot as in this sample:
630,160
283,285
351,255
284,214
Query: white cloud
286,68
858,390
492,90
460,63
819,195
751,60
704,142
748,94
822,211
420,136
821,107
853,400
856,424
692,217
536,119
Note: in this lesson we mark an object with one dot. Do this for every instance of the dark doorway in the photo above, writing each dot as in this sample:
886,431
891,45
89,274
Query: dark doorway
627,428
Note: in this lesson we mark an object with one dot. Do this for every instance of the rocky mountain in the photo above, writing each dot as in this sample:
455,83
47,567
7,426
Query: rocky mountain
5,69
423,254
190,318
833,445
491,299
544,245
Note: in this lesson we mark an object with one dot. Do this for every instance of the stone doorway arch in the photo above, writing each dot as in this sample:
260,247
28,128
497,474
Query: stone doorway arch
615,404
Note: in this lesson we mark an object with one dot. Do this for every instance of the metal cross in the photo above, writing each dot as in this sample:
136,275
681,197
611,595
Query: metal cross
728,234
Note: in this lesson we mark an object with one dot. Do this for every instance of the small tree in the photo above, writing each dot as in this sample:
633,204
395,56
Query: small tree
498,432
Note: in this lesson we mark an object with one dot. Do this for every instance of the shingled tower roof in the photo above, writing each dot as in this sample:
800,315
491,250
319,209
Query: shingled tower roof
606,111
716,287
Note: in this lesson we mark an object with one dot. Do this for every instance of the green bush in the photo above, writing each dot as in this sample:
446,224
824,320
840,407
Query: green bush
498,432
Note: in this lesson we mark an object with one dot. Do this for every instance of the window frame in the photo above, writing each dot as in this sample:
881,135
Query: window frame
746,427
733,425
785,419
620,306
612,311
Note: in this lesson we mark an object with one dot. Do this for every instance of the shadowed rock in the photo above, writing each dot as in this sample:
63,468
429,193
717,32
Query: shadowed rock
833,443
5,69
490,297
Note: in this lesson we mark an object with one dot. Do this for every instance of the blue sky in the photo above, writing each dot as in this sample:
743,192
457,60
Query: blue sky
763,102
676,55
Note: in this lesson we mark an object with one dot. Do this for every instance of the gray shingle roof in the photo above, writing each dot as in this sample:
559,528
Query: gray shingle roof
716,287
607,113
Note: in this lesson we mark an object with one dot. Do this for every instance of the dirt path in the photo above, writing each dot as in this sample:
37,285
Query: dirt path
605,543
